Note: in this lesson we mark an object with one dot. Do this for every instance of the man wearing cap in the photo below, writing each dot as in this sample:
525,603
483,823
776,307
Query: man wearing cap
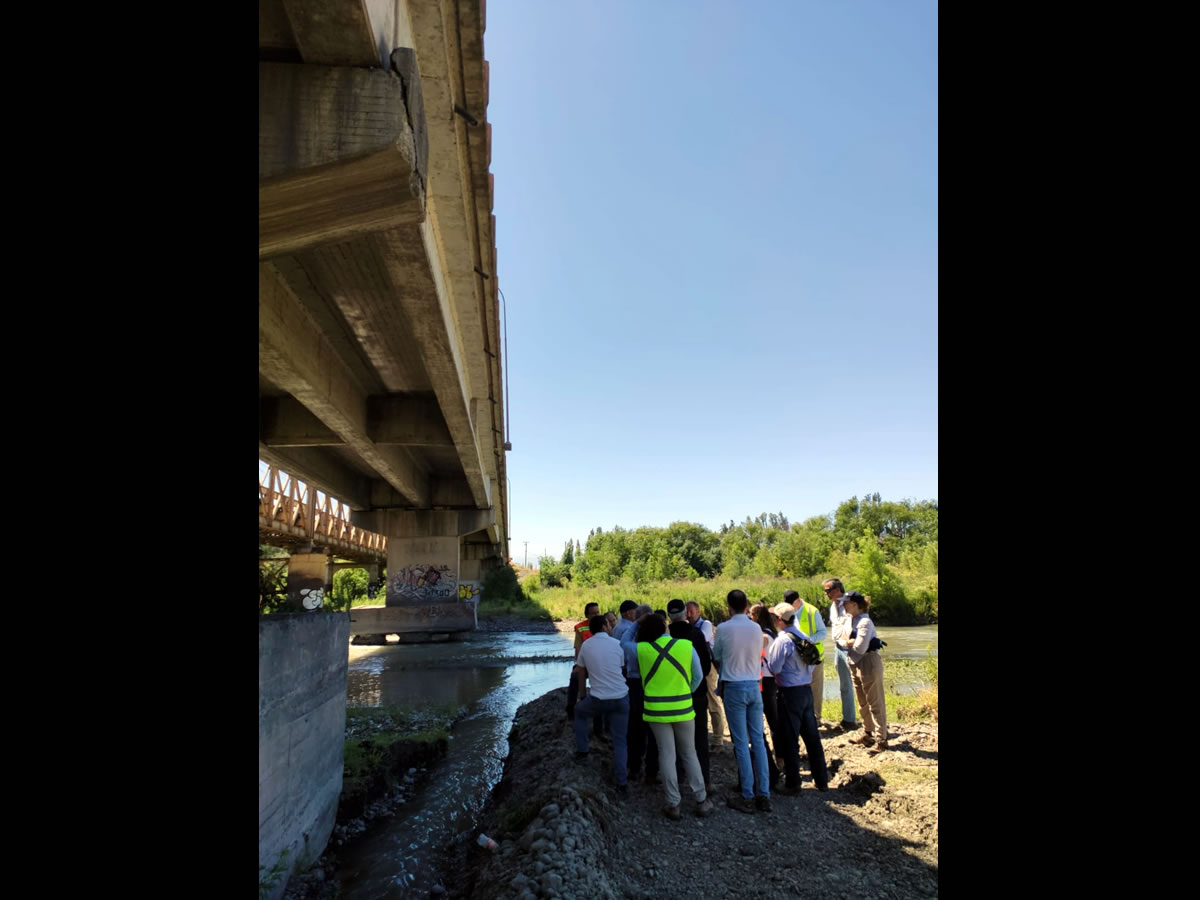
601,660
628,611
808,621
837,617
738,650
640,739
681,628
715,705
793,679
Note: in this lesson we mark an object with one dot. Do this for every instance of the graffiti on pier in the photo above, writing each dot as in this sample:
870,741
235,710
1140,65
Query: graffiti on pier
423,584
468,591
312,598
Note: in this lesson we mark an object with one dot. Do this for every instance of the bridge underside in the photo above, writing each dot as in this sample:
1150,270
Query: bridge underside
380,376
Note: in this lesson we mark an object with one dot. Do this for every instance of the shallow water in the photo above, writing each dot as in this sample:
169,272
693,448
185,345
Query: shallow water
492,677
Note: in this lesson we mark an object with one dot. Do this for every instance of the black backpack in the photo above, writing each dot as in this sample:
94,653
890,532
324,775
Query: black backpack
806,650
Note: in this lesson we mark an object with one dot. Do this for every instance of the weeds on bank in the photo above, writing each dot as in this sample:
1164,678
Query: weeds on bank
518,815
919,707
268,881
371,731
517,609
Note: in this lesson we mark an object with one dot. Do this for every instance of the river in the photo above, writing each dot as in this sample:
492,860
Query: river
492,675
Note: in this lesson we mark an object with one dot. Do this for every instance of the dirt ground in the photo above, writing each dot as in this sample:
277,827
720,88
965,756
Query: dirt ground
563,830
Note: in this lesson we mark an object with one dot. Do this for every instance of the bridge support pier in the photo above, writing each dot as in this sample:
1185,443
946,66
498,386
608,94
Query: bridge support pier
432,581
310,579
372,580
423,572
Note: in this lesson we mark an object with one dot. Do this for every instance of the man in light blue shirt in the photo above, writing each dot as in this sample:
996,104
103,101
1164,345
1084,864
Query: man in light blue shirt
808,621
737,647
628,611
793,680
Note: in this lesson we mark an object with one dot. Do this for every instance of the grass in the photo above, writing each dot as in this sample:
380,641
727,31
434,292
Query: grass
568,602
527,609
919,707
371,733
518,815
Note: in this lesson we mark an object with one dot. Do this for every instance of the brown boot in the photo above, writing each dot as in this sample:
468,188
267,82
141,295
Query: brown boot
865,739
879,747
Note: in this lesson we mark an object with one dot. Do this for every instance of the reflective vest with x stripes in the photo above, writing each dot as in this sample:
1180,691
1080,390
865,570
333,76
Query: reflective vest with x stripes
666,667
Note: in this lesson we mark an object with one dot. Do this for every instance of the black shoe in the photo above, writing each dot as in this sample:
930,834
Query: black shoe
741,804
570,715
762,804
790,789
622,790
823,787
848,726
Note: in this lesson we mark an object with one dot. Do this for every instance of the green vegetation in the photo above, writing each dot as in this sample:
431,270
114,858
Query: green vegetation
267,880
518,815
887,550
373,734
349,585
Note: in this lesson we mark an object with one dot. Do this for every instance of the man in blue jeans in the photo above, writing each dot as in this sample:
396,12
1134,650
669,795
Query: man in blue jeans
737,649
601,660
833,590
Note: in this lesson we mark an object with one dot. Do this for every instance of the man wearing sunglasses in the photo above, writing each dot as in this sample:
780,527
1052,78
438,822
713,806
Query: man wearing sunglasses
835,593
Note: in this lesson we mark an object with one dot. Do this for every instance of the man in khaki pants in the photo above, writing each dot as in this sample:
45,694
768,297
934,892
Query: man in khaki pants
716,711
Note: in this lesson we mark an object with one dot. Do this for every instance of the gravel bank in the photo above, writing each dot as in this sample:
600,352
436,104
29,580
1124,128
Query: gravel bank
563,831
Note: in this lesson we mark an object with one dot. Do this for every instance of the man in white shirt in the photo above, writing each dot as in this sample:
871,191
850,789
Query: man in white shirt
601,660
837,613
738,649
716,710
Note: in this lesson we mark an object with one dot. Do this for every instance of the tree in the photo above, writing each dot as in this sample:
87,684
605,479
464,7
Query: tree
552,573
869,573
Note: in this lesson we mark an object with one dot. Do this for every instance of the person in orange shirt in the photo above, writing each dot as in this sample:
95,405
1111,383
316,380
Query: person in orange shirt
582,633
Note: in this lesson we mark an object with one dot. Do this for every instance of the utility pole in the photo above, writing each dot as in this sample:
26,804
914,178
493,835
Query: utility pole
526,555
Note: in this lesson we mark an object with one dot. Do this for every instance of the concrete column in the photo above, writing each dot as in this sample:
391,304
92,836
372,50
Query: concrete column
372,580
423,558
309,579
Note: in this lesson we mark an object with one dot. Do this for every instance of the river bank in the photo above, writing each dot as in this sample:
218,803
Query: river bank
387,755
424,785
563,830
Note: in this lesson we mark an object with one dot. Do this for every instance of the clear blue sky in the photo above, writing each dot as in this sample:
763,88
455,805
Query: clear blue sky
717,236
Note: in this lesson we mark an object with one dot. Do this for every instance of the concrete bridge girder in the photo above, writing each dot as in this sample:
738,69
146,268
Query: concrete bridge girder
379,339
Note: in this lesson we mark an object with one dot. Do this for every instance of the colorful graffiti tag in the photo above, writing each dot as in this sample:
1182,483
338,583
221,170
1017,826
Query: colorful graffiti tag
468,591
423,584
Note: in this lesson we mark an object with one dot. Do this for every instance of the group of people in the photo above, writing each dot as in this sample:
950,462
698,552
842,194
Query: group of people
649,681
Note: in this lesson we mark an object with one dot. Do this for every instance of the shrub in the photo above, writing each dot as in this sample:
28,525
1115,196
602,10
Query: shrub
500,585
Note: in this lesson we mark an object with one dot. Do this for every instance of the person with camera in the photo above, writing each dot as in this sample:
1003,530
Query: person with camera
791,659
862,644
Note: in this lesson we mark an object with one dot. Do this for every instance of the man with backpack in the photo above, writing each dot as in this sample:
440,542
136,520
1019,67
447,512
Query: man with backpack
808,621
791,659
